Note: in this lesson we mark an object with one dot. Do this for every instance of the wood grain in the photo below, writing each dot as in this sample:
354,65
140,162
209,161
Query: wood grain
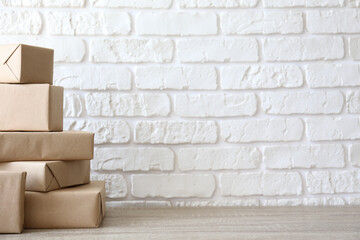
290,223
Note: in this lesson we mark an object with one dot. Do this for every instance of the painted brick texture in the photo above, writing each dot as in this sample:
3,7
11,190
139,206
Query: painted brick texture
208,102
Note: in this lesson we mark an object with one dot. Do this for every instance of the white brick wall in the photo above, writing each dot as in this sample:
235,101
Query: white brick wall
208,102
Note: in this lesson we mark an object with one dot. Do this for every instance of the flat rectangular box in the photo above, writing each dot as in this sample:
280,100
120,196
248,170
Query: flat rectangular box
45,176
21,63
31,107
52,146
76,207
12,192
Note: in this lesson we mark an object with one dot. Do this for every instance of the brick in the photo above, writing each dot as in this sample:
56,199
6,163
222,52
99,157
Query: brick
262,130
354,48
355,154
285,103
353,201
313,202
156,4
111,131
172,185
193,159
282,202
73,105
44,3
193,78
229,203
66,49
215,105
131,50
175,132
303,48
217,50
326,201
332,75
319,182
302,3
267,184
354,3
353,102
130,105
176,24
69,77
217,3
88,23
304,156
262,22
20,22
261,77
333,21
133,159
115,184
111,206
93,77
333,128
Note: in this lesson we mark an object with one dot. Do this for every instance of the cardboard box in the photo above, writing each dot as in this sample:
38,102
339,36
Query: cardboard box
38,146
51,175
12,191
31,107
26,64
76,207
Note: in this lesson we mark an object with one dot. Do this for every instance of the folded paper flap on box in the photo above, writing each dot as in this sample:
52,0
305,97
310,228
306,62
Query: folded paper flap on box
53,185
7,51
67,173
102,197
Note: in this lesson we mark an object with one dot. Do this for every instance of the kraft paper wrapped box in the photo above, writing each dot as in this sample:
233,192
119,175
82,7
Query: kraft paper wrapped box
45,176
12,191
26,64
38,146
31,107
76,207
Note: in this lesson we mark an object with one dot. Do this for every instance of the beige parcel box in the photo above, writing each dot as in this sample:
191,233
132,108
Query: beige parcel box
26,64
31,107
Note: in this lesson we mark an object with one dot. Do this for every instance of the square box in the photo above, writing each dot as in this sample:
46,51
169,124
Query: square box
21,63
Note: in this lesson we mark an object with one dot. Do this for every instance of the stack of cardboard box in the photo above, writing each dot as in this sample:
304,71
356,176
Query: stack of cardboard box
44,172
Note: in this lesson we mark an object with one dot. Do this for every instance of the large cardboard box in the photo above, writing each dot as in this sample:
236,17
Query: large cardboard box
26,64
12,191
37,146
31,107
51,175
76,207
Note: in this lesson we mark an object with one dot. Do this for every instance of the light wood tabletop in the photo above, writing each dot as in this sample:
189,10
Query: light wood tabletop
290,223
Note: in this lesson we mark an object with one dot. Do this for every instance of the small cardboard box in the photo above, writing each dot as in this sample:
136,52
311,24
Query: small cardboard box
52,146
31,107
76,207
26,64
51,175
12,191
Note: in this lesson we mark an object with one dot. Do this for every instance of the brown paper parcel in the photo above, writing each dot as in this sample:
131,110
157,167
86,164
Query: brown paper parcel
26,64
76,207
12,191
31,107
51,175
38,146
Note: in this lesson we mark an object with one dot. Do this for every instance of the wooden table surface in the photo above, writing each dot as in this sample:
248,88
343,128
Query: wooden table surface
290,223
